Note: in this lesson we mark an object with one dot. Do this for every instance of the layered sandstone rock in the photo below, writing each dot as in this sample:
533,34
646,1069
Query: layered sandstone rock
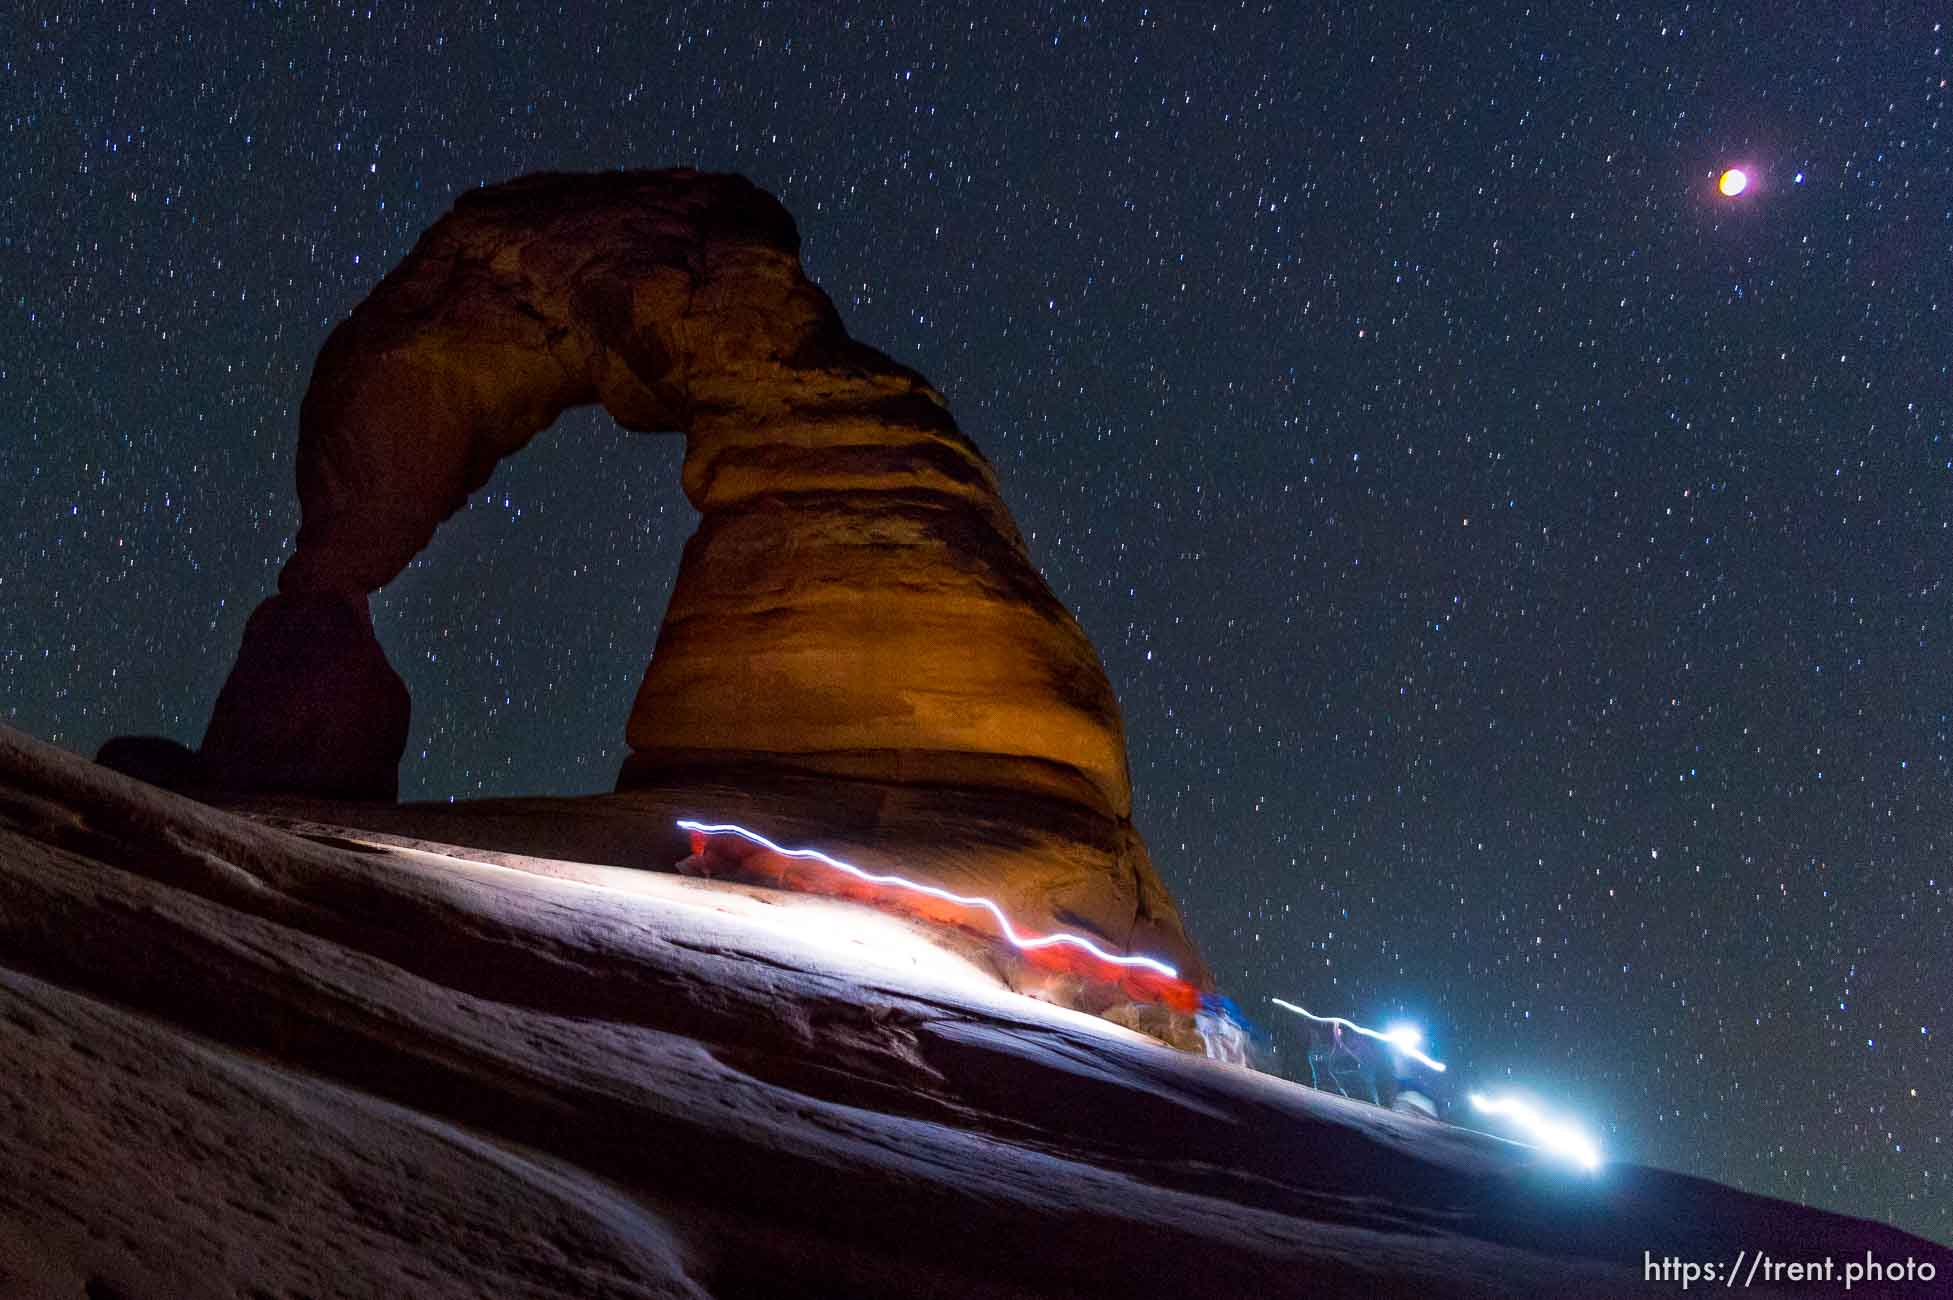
856,605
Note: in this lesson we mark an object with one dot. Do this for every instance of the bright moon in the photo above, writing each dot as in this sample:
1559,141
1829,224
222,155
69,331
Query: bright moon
1733,182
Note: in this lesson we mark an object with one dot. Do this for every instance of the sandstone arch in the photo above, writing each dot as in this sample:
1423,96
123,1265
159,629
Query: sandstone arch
856,603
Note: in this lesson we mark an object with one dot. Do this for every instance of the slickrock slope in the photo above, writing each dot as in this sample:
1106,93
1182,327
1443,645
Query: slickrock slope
245,1062
856,603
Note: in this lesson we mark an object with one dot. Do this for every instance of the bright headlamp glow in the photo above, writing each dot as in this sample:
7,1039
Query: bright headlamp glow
1549,1134
1004,927
1408,1039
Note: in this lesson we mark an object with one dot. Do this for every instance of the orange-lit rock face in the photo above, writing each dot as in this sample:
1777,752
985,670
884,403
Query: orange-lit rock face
856,593
857,605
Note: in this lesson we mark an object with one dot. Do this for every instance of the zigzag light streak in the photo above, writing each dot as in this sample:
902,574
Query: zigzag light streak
1404,1041
1556,1136
1004,926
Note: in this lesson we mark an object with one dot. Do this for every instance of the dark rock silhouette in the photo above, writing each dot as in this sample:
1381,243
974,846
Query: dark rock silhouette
856,606
342,712
155,759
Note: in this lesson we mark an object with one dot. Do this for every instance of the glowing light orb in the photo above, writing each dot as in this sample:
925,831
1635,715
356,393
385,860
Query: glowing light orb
1733,182
1407,1039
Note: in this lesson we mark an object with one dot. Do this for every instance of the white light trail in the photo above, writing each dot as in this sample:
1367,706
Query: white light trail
996,913
1407,1039
1554,1135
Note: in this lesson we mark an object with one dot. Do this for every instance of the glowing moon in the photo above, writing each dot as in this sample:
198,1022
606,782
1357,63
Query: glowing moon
1733,182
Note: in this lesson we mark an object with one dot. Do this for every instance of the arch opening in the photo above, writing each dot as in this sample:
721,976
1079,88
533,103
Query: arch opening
520,632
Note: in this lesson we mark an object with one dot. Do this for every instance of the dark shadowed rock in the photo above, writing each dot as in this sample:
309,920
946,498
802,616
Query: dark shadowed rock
312,704
158,760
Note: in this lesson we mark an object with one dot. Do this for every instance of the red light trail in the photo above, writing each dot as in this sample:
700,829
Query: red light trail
1026,943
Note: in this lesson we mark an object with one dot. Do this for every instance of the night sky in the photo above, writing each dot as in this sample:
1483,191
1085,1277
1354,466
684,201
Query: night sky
1523,569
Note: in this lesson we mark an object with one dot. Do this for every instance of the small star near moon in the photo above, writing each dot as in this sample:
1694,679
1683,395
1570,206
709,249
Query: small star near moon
1733,182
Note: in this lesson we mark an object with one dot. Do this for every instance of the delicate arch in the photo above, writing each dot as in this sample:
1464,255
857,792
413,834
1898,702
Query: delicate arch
856,600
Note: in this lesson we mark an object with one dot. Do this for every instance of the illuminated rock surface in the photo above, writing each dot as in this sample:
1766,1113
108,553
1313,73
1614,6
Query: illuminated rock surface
242,1061
856,603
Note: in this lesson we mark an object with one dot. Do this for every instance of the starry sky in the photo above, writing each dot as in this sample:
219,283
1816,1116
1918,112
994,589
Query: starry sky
1523,569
